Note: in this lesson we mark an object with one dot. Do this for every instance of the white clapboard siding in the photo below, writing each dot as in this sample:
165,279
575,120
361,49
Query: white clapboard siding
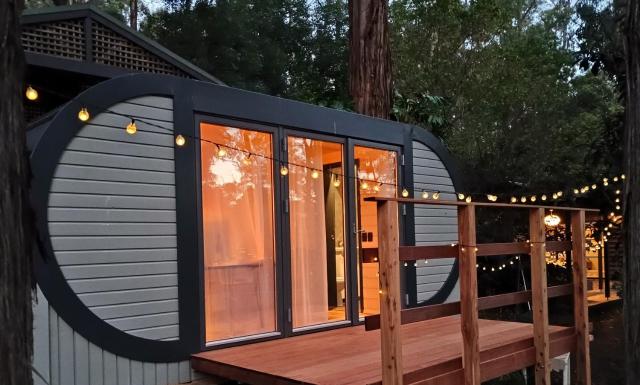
63,357
112,222
434,225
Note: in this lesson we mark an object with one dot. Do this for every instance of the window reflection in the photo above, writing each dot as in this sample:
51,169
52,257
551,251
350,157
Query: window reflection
238,232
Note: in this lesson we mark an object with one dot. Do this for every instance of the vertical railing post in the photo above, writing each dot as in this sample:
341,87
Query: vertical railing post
539,296
390,301
580,311
468,294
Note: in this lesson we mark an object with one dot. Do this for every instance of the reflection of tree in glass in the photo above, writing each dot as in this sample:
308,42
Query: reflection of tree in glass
308,153
245,165
378,168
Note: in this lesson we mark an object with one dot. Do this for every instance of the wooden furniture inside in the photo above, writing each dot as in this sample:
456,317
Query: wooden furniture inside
438,344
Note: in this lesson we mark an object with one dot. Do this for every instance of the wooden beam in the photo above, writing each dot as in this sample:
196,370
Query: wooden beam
539,296
469,294
424,313
414,253
390,299
477,204
580,312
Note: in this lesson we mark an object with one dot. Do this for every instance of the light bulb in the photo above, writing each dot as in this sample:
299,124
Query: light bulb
461,196
315,174
560,193
554,196
615,178
436,195
543,197
247,161
576,191
180,140
594,186
284,171
405,193
617,192
514,199
492,198
364,185
336,183
31,93
605,180
617,207
222,152
622,176
605,183
533,198
425,195
131,128
83,115
523,199
376,188
468,199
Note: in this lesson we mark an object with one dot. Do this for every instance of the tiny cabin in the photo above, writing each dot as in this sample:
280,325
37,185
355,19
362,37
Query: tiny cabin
178,215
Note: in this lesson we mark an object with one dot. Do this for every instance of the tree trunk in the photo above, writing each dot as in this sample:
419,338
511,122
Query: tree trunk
369,57
631,195
16,333
133,14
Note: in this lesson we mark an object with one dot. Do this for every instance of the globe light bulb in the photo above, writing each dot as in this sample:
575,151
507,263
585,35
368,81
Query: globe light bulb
180,140
425,195
131,128
284,171
405,193
461,196
83,115
514,199
315,174
543,197
31,93
436,195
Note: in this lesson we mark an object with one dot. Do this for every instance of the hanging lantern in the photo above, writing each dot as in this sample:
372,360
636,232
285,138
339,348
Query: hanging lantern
551,220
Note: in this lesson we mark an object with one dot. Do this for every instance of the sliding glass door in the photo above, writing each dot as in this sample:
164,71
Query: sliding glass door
238,232
316,231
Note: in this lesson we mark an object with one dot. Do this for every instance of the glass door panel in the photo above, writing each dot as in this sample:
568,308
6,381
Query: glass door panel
238,232
317,239
376,175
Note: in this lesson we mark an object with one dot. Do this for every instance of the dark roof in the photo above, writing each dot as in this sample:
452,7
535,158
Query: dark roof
43,16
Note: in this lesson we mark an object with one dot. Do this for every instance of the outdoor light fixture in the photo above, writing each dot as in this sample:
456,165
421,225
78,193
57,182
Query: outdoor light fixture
131,128
551,220
83,115
31,93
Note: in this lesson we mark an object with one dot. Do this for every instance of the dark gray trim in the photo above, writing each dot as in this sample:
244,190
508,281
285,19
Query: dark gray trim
191,99
41,15
82,67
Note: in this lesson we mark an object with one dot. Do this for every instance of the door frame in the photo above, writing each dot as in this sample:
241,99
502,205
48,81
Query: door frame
285,133
277,231
353,211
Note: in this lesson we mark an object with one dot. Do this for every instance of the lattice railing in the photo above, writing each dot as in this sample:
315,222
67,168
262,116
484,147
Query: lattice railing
60,38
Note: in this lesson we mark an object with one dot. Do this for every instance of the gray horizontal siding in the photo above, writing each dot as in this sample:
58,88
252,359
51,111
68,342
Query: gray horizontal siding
64,357
112,221
434,225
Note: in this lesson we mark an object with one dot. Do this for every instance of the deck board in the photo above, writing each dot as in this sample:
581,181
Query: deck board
350,356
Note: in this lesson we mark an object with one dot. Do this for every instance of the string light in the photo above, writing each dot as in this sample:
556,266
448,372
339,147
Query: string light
222,152
180,140
376,188
425,195
284,170
554,196
622,176
543,197
523,199
461,196
131,128
336,182
436,195
533,198
617,192
247,160
83,115
615,178
31,93
617,207
559,193
576,191
594,186
514,199
364,185
405,193
315,174
492,198
468,199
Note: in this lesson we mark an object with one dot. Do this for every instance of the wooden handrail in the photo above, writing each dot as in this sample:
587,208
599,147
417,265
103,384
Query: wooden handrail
414,253
476,204
392,317
424,313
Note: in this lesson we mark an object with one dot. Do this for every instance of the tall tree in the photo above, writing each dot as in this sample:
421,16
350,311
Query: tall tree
16,317
133,14
632,192
370,57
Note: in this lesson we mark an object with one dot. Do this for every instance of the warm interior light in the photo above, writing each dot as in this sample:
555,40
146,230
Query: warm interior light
180,140
315,174
551,220
131,128
83,115
31,93
336,183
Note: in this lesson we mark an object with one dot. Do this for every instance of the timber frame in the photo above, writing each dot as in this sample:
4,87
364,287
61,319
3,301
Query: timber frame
473,369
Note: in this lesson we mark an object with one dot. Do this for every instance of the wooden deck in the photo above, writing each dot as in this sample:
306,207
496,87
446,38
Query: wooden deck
431,354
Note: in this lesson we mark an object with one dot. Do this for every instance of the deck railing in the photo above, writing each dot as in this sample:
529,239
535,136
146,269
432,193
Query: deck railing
391,255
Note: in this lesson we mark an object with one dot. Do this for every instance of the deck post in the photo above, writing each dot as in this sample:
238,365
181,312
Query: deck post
468,294
390,299
539,296
580,311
